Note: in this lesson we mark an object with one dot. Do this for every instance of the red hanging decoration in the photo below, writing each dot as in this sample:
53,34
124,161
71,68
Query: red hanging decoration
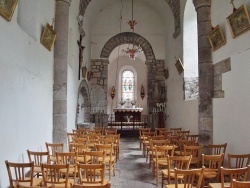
142,92
113,92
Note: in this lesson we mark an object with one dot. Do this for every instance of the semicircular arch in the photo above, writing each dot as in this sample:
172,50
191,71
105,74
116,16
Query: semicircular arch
128,38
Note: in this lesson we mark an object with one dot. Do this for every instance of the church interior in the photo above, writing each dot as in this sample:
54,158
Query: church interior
124,64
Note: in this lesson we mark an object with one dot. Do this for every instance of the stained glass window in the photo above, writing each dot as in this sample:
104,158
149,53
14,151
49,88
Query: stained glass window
128,85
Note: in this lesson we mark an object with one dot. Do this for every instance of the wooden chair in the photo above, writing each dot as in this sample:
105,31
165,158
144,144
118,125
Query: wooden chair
80,149
109,158
238,160
110,131
196,152
193,137
212,164
227,176
152,144
145,140
108,185
158,130
217,149
71,137
179,162
38,157
241,184
183,134
174,139
175,130
141,130
22,186
116,144
81,140
99,130
52,148
189,178
159,159
71,159
92,174
181,144
147,145
165,133
94,157
52,175
22,174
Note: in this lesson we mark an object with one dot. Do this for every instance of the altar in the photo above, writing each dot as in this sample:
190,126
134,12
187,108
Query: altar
128,114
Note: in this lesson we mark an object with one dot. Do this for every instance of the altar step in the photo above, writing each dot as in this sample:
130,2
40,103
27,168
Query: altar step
128,132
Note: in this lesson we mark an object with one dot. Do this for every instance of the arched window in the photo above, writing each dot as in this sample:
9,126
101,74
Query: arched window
128,85
190,52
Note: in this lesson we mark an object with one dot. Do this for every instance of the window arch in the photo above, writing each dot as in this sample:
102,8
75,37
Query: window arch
128,85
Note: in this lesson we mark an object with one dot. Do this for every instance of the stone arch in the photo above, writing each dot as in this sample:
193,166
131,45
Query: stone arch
83,103
174,6
128,38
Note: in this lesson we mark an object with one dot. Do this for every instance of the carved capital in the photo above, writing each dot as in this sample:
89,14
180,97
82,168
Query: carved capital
65,1
201,3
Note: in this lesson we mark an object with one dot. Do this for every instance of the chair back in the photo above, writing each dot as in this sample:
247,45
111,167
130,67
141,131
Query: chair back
183,134
38,157
91,173
241,184
239,174
212,164
164,151
175,130
189,177
108,185
94,157
196,152
158,130
71,137
81,140
174,139
179,162
23,186
52,174
52,148
238,160
111,131
182,143
165,133
193,137
18,173
217,149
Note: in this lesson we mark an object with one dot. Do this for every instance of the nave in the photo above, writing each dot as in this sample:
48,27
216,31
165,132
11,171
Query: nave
131,169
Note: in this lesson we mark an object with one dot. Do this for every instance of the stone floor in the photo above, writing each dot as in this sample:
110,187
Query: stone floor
131,169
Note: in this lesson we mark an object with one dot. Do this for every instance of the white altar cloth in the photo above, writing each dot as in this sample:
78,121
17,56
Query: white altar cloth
128,109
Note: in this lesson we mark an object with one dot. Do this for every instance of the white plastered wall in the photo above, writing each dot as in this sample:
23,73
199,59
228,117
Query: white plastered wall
231,114
26,97
139,67
181,113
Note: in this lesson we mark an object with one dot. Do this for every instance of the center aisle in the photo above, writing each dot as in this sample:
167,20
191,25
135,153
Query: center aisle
131,169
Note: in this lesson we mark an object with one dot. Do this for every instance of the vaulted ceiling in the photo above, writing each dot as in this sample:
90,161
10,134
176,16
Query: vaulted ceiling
161,6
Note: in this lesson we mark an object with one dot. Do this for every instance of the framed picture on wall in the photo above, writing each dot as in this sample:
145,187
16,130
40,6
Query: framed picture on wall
216,38
7,8
239,21
48,37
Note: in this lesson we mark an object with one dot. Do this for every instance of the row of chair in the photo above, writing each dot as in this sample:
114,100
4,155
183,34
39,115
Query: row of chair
55,160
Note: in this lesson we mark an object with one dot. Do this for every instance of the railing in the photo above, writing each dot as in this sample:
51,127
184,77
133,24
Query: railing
127,122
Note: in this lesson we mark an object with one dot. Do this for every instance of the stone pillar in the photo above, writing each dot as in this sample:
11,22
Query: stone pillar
60,72
156,87
206,86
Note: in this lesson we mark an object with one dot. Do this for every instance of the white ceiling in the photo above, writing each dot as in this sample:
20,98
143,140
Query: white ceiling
96,6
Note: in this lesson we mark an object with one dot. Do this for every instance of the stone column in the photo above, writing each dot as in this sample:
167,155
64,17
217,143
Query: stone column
205,129
60,72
